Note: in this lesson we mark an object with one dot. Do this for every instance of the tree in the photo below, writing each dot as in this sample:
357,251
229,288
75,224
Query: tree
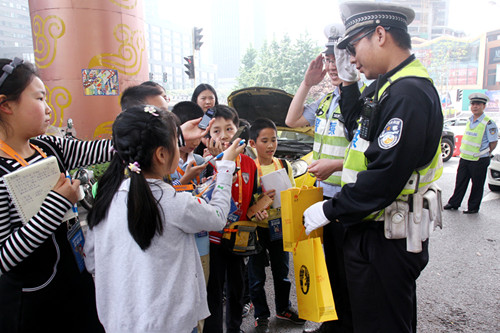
280,65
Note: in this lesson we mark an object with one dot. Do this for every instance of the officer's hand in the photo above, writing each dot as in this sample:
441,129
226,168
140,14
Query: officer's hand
323,168
315,72
346,71
314,217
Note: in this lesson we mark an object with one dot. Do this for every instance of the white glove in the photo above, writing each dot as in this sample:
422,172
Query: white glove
314,217
347,72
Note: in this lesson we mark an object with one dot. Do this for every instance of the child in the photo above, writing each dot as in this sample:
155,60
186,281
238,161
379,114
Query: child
263,139
224,264
140,244
188,174
42,288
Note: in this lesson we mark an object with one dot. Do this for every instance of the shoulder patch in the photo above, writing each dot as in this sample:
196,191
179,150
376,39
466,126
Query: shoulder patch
493,130
391,134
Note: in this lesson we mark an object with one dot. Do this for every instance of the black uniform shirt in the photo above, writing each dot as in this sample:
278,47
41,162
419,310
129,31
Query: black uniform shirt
415,105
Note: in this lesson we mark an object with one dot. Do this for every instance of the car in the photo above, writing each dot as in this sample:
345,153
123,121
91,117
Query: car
457,125
447,144
294,144
493,175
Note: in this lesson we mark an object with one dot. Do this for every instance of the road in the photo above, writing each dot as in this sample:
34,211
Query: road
459,290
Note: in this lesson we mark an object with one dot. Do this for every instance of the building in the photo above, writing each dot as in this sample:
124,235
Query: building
15,30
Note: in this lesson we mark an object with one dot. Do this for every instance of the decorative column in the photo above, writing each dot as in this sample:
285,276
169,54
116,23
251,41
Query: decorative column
87,53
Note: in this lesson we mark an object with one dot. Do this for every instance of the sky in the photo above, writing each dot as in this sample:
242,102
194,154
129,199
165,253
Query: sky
296,16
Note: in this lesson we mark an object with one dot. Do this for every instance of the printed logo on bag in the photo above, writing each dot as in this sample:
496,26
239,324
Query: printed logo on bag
305,279
391,134
245,176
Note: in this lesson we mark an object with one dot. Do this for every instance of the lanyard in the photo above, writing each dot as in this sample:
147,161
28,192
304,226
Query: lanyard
276,167
12,153
240,181
182,172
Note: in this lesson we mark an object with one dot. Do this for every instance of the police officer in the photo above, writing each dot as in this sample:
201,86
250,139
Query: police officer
394,156
479,140
328,152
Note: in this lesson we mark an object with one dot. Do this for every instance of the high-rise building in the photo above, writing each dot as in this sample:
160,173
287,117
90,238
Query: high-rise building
15,30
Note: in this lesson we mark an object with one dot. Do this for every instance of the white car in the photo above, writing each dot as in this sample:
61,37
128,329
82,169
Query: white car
493,177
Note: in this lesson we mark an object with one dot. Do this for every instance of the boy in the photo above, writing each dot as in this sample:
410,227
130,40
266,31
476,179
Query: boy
223,263
263,138
191,166
188,174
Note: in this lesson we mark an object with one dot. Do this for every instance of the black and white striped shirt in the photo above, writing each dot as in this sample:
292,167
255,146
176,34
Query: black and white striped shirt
18,241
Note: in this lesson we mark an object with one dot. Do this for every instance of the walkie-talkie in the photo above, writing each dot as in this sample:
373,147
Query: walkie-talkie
369,115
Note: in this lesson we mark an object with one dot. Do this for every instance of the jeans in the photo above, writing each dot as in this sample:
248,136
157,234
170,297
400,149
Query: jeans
257,275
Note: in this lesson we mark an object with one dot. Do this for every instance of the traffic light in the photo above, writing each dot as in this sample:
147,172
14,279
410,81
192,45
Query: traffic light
165,77
190,66
459,94
197,36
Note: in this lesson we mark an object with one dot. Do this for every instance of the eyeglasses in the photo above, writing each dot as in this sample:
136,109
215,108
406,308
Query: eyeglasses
350,47
9,68
327,61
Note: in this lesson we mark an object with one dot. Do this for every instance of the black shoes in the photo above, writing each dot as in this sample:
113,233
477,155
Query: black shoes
449,207
262,325
471,211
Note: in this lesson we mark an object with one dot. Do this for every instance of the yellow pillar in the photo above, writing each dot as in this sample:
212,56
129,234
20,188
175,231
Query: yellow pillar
87,53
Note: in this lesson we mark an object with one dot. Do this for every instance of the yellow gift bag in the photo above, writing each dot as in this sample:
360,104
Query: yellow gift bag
294,201
314,294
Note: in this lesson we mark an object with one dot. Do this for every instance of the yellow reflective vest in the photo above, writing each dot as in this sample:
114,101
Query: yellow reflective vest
355,160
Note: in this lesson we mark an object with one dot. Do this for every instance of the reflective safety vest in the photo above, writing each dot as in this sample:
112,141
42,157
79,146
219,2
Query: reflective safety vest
355,160
471,141
329,138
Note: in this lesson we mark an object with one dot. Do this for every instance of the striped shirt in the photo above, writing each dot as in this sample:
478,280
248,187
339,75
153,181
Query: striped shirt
18,241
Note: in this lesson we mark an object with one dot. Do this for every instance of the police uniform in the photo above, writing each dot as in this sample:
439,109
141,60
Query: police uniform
330,143
401,160
474,159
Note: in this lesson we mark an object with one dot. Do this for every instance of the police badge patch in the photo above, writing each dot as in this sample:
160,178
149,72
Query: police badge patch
391,134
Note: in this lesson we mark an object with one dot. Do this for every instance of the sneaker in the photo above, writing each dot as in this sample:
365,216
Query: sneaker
262,325
290,315
246,309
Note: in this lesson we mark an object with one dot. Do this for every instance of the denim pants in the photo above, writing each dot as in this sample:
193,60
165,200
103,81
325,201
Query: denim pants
257,275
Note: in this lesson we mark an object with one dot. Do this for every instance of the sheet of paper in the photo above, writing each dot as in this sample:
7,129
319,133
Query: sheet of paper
276,180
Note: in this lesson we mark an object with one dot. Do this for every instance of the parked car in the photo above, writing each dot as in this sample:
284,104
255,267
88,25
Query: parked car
294,144
457,125
447,144
493,176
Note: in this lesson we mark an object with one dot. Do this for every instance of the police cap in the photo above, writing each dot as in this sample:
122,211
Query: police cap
360,15
478,97
333,32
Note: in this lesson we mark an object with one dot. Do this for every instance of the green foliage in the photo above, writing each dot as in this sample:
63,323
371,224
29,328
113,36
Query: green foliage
98,169
280,65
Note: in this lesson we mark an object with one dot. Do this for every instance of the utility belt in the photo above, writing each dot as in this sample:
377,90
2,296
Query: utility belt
414,219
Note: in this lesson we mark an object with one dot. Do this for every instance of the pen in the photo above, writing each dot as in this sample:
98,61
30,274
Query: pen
242,141
75,207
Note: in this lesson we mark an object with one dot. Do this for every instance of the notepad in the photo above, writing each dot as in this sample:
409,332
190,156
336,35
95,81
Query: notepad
30,185
277,180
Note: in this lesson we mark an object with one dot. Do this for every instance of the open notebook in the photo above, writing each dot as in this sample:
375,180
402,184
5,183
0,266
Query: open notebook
29,186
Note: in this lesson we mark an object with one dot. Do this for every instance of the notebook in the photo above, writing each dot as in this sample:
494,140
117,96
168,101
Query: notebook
30,185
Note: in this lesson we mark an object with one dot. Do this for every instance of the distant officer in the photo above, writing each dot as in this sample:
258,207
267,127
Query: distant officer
393,159
479,140
329,148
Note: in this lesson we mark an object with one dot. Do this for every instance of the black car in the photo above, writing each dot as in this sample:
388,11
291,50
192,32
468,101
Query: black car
447,144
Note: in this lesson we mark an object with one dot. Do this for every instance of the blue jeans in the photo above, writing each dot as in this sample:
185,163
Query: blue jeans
257,275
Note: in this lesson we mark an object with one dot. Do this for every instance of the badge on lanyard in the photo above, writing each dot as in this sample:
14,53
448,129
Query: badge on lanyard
77,241
275,229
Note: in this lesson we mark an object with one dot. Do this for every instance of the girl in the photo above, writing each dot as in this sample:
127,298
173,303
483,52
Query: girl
141,244
42,288
205,96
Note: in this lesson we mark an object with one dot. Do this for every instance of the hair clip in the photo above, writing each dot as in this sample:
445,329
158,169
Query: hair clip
9,68
134,167
150,109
